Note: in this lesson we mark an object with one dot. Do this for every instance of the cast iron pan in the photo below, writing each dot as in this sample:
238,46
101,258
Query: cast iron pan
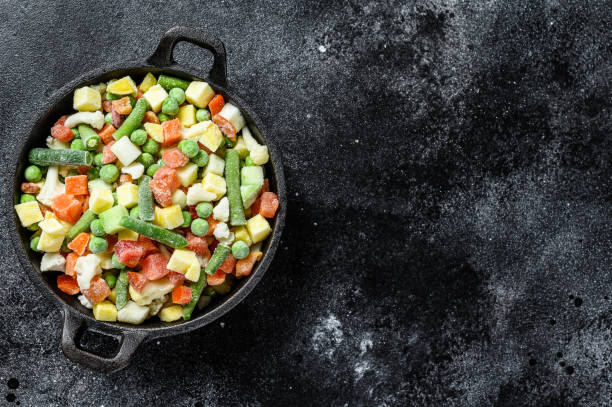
77,319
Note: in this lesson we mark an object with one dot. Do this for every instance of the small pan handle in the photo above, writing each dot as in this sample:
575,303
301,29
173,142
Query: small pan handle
163,54
74,326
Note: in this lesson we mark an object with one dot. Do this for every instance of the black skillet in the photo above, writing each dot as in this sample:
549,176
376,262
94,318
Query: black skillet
78,319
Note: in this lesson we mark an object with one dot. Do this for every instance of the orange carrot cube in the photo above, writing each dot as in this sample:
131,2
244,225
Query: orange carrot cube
76,185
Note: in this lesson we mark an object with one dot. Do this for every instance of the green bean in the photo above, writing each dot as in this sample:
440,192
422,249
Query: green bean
145,199
47,156
169,82
133,120
154,232
90,138
232,178
121,287
81,226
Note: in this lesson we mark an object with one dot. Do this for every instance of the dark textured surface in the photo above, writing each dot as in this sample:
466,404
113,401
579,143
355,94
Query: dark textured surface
448,236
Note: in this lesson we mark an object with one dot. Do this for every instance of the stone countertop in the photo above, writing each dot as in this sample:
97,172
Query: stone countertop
448,233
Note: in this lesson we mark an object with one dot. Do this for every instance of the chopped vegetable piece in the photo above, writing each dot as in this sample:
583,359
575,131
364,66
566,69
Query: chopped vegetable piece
169,175
47,156
154,232
62,133
76,185
172,132
89,137
111,279
81,226
106,134
122,106
71,259
232,179
133,120
174,158
67,208
245,266
162,192
137,280
198,245
145,199
269,204
216,279
228,264
216,104
122,289
79,243
129,252
98,290
181,295
154,266
169,82
68,284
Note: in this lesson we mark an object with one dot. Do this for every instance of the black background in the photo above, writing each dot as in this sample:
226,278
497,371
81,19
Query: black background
448,234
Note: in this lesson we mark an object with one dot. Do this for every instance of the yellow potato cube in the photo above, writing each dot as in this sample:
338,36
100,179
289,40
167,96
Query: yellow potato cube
241,147
215,184
127,195
199,93
187,174
179,198
181,260
105,311
100,200
127,234
148,81
258,228
51,226
123,86
186,115
171,313
66,226
193,272
170,217
155,131
156,96
29,213
212,136
86,99
241,233
50,243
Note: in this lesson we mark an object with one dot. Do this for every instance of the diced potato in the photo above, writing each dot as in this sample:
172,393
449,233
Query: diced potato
50,243
125,150
98,184
105,311
212,137
241,147
193,272
241,233
100,200
258,228
51,226
86,99
260,155
127,234
153,290
187,115
123,86
216,165
179,198
127,195
155,131
181,260
132,313
215,184
187,174
199,93
106,261
148,81
135,170
29,213
155,96
170,217
66,226
171,313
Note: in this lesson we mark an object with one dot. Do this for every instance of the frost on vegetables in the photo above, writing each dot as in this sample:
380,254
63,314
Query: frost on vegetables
143,216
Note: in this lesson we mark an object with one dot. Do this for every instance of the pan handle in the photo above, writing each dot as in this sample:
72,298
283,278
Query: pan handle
163,54
74,326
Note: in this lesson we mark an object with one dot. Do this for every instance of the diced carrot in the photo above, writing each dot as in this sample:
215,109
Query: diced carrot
266,186
62,133
79,243
107,155
228,265
30,188
216,279
154,266
137,280
106,106
148,245
67,208
197,244
150,117
125,178
71,263
122,106
67,284
83,169
174,158
226,127
269,204
212,224
62,120
76,185
98,290
245,266
256,207
172,132
161,192
106,134
181,295
176,278
129,252
168,175
216,104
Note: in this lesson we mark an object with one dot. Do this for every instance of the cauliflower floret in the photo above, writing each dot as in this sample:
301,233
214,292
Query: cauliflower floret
156,306
221,231
85,302
94,119
228,240
135,170
55,144
221,211
86,268
133,313
51,188
52,262
196,194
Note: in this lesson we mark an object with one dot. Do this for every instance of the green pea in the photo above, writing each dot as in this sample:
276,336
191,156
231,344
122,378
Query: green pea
96,228
163,117
202,115
138,137
134,212
204,209
33,173
77,144
108,118
98,159
186,219
26,198
240,250
110,279
170,106
248,161
199,227
109,173
177,94
33,227
93,173
75,133
98,245
189,148
200,159
116,263
34,243
150,146
112,96
146,159
152,169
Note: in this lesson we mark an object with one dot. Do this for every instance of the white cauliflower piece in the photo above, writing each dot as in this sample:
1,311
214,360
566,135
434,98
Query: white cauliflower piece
55,144
53,262
85,302
135,170
196,194
51,188
221,231
156,306
94,119
133,313
86,268
228,240
221,211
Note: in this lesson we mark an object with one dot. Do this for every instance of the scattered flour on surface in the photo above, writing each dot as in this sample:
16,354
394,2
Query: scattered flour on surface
327,335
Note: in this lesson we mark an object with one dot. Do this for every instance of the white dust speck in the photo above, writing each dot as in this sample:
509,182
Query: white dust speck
360,368
322,48
327,335
157,343
365,345
356,141
315,223
222,324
